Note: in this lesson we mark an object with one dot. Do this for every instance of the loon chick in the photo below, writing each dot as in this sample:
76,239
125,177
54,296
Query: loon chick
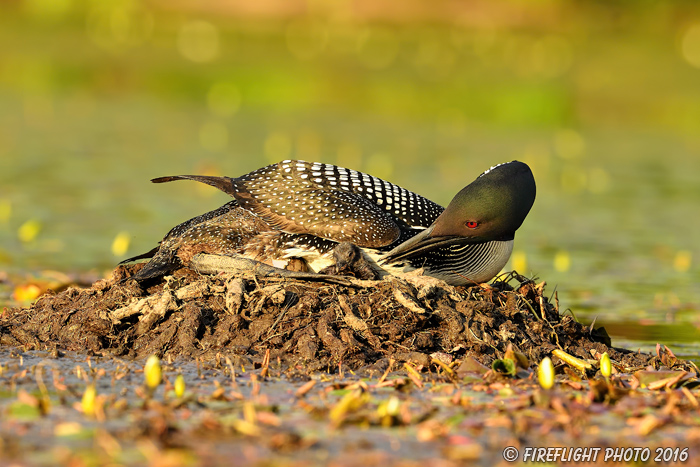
297,211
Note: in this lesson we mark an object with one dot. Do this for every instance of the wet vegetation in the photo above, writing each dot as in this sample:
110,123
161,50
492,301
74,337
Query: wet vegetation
264,368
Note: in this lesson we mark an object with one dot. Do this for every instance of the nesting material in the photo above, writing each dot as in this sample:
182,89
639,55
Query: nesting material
320,325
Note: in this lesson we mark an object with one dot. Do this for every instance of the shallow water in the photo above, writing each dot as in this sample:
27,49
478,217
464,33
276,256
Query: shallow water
610,138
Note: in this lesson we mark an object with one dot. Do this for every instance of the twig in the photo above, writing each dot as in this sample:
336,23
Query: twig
215,264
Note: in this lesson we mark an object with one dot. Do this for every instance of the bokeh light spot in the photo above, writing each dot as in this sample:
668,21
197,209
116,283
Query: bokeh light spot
198,41
690,45
683,260
28,231
213,136
562,261
120,244
224,99
26,292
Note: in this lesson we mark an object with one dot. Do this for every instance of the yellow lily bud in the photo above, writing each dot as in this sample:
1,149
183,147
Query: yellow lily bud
153,372
88,401
179,386
29,230
120,244
545,373
605,365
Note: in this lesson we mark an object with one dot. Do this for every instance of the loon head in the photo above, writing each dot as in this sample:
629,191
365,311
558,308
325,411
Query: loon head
492,207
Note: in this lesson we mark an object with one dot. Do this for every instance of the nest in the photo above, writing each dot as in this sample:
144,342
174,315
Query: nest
316,324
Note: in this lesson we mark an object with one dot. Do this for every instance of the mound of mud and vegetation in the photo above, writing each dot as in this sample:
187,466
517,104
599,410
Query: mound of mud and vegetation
270,370
316,325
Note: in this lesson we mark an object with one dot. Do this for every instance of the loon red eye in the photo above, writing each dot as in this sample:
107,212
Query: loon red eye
472,224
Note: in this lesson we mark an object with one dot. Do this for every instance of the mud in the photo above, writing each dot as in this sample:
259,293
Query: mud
312,326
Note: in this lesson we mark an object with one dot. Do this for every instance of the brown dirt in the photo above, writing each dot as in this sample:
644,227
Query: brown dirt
316,325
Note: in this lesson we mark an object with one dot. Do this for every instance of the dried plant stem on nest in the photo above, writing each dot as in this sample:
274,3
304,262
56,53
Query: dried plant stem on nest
216,264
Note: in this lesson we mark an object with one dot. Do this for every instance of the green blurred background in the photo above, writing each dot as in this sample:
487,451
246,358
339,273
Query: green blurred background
602,99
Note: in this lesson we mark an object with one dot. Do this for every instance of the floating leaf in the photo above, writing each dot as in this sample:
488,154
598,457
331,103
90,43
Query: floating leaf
68,429
351,402
519,358
504,366
27,406
388,411
305,388
599,390
23,411
413,375
661,379
683,260
666,356
464,452
471,365
246,428
648,423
